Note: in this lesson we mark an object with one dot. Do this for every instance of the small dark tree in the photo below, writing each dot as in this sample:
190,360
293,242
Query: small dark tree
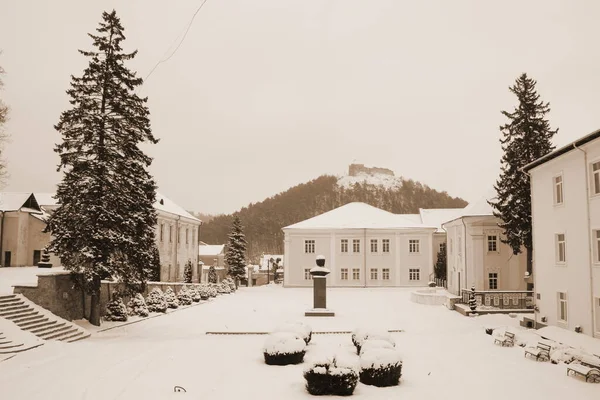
187,272
472,301
212,275
155,265
440,266
526,137
236,251
104,225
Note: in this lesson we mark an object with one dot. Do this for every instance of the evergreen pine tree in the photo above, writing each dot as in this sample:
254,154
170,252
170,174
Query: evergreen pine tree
115,309
526,137
187,272
156,301
472,300
137,306
236,251
171,299
104,226
212,275
155,265
440,266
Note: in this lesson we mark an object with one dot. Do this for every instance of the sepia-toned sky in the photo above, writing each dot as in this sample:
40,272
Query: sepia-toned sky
266,94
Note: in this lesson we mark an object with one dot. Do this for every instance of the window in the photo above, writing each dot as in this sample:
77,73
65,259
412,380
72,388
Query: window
373,245
374,274
162,228
561,248
413,246
492,243
414,274
309,246
493,281
385,245
385,274
344,245
442,246
356,245
596,177
344,272
562,306
187,236
596,237
170,233
558,189
355,274
307,275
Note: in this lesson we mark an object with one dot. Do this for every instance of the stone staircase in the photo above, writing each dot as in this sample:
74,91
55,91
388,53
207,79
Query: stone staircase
38,321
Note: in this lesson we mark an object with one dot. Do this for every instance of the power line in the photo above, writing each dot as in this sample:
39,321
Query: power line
180,43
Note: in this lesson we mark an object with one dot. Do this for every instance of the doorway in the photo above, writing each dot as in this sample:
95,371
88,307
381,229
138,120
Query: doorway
7,258
37,256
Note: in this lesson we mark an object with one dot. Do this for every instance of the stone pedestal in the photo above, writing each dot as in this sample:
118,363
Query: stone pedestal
319,274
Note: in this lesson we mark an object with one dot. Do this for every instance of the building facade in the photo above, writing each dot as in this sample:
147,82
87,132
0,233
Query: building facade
212,255
363,246
565,196
475,254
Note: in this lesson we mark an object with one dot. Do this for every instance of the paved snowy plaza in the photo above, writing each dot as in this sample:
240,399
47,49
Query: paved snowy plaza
445,354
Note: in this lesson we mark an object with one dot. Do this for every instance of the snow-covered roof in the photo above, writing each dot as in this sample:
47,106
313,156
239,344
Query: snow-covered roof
437,216
210,249
479,208
14,201
359,216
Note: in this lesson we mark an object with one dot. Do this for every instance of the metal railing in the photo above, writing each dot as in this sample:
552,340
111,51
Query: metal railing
508,299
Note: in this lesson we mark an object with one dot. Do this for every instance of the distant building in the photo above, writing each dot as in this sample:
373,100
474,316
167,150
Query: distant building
364,247
475,254
212,255
565,199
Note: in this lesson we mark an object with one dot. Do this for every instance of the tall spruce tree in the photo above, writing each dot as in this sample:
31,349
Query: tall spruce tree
104,226
236,251
526,137
440,266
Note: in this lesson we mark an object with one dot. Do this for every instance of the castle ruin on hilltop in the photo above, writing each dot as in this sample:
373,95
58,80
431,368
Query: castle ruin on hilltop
356,169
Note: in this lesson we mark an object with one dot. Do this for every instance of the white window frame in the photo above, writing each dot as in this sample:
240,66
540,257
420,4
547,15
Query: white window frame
356,245
307,275
596,246
343,245
560,300
492,239
374,245
309,246
355,274
414,274
414,246
595,184
493,277
558,188
557,246
374,274
385,274
385,245
344,274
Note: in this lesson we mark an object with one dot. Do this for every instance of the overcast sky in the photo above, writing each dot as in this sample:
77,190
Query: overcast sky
266,94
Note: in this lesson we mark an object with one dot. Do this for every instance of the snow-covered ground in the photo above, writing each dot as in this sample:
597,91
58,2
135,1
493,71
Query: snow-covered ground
10,276
445,355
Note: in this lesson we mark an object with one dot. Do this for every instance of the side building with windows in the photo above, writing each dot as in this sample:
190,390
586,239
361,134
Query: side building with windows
363,247
565,197
476,255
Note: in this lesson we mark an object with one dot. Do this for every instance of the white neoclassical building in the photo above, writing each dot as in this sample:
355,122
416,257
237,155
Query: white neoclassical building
565,197
364,247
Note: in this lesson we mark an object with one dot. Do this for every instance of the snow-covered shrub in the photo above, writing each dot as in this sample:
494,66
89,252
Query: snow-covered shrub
187,272
361,334
283,348
137,306
156,301
204,291
304,330
370,344
431,284
195,292
472,300
331,376
212,290
171,299
223,288
184,297
115,309
231,283
380,367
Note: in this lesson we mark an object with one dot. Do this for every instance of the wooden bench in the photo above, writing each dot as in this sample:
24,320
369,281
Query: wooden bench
591,374
507,340
541,352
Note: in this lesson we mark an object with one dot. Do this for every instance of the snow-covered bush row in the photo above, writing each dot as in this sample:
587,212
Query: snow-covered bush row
184,297
115,309
223,288
156,301
304,330
212,290
204,291
171,299
283,348
380,367
361,334
336,375
229,281
137,306
195,293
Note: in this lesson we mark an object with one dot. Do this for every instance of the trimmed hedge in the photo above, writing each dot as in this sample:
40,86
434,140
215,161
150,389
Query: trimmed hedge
283,348
330,379
284,358
380,367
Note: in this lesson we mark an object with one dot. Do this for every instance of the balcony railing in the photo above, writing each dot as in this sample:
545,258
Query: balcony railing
509,299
